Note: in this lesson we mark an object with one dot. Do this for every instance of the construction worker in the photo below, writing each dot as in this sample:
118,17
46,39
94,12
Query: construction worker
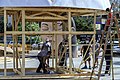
86,57
108,57
109,18
97,45
43,56
63,53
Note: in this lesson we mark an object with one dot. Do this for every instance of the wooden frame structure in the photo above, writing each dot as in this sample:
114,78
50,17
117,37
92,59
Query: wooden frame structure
51,14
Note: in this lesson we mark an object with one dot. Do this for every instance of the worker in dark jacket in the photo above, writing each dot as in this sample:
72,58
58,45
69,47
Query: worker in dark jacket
43,56
108,56
63,53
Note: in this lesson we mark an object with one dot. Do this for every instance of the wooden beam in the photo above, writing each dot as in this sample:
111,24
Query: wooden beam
48,32
56,47
53,47
45,18
94,39
18,20
47,76
69,42
17,71
55,9
5,22
48,13
13,41
23,43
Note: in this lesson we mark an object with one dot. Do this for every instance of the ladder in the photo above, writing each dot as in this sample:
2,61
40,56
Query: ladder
109,37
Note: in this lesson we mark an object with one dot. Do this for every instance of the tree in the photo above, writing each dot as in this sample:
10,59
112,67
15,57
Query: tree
29,26
84,23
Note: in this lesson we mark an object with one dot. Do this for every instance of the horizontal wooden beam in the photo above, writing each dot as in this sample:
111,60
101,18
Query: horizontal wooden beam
48,32
47,76
45,18
55,9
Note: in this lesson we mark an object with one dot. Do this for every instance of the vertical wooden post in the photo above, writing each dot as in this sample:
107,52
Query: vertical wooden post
69,38
94,62
94,41
23,43
56,47
5,45
13,41
53,46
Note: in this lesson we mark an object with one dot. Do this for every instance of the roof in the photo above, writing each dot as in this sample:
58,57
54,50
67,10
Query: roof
92,4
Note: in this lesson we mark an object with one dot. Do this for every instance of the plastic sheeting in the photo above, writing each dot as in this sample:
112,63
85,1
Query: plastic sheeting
93,4
24,3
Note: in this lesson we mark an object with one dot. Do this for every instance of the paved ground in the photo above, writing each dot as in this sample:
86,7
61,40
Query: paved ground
33,63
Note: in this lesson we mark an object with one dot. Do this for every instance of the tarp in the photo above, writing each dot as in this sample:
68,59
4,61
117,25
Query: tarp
24,3
93,4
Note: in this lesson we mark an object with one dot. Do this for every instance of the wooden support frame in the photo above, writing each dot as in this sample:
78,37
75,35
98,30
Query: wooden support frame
5,45
57,17
56,50
69,42
23,43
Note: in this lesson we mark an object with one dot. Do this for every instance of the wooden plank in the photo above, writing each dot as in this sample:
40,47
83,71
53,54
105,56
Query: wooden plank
23,43
13,41
47,13
94,41
56,9
56,47
45,18
5,45
17,71
15,37
69,42
47,76
18,20
53,47
48,32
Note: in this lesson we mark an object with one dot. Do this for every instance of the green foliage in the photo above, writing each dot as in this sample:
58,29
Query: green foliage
84,23
29,26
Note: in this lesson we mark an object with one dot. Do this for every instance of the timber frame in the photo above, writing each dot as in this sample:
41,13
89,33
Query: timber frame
48,14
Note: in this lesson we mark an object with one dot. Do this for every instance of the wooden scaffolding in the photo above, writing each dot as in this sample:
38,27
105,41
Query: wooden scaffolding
46,14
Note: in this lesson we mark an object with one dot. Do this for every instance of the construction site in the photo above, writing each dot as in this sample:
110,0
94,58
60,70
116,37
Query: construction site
56,22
